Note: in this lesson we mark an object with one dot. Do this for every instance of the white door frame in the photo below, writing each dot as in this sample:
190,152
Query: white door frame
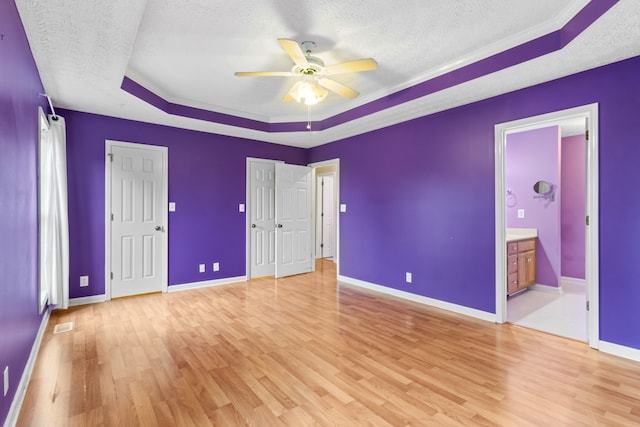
590,112
336,163
320,221
247,211
107,211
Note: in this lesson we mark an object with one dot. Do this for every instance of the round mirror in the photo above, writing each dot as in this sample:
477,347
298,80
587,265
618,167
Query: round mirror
542,187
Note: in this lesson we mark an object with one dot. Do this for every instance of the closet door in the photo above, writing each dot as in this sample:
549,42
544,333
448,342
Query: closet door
293,220
262,211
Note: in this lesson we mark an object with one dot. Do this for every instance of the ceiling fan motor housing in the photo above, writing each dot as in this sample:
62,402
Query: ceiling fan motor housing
315,66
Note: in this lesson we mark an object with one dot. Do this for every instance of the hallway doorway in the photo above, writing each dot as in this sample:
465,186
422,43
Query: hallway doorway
326,209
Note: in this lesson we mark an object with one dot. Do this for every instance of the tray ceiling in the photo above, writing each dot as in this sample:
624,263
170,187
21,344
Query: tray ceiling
168,61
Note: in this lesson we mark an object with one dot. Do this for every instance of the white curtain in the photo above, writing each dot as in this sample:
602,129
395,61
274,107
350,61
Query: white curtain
54,217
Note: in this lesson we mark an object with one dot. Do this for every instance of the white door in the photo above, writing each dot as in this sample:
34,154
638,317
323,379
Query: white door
293,218
325,230
138,220
262,213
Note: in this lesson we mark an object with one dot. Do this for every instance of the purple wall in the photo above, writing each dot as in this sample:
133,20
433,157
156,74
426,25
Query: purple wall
19,89
573,203
530,157
420,199
206,180
420,196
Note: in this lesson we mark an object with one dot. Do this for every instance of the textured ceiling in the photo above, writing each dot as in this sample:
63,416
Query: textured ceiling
186,51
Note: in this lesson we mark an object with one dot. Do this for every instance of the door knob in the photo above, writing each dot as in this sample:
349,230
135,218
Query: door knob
159,228
279,225
253,226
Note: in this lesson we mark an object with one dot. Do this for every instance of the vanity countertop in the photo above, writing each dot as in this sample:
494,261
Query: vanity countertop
515,234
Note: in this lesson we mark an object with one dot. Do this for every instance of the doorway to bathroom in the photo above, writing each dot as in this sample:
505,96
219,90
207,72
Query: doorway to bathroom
534,208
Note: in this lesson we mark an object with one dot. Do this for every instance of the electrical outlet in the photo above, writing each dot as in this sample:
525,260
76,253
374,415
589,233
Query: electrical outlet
6,380
202,268
408,277
241,207
216,266
520,213
84,281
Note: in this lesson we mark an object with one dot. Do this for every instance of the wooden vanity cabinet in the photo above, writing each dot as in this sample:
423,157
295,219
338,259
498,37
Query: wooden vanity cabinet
512,267
521,265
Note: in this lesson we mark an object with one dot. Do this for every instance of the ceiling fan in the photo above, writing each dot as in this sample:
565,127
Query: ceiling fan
314,82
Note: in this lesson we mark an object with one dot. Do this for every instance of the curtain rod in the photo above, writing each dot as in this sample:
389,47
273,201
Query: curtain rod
53,112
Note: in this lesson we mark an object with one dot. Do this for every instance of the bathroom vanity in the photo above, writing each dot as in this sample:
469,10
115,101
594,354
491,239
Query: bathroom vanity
521,259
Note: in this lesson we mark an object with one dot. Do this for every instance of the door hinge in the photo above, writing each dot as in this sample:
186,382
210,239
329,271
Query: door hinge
111,217
321,245
587,305
586,134
110,156
111,275
587,219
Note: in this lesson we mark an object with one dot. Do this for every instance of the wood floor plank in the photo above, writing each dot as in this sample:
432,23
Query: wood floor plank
284,401
307,351
163,414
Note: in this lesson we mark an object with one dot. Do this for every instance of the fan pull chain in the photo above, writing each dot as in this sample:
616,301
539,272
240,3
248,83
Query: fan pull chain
309,118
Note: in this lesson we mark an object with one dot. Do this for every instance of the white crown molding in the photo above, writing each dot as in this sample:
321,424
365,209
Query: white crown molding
162,93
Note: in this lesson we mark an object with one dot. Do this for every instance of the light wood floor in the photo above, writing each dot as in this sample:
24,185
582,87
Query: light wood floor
301,351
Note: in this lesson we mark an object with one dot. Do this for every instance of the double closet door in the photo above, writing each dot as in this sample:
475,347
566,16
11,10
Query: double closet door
280,219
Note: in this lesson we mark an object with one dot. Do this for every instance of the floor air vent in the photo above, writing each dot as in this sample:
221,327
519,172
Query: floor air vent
63,327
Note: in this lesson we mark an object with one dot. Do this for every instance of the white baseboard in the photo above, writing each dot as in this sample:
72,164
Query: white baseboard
21,391
460,309
620,350
87,300
174,288
207,283
547,288
572,281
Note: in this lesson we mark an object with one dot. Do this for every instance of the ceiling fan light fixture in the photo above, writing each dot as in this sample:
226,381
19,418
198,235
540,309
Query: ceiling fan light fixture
310,93
315,78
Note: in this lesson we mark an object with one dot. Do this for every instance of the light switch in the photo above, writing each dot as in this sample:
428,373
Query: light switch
520,213
241,207
216,266
172,206
408,277
343,207
84,281
201,268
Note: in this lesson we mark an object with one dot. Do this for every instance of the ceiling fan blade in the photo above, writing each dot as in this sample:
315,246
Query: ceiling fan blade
294,50
352,66
293,94
263,73
338,88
